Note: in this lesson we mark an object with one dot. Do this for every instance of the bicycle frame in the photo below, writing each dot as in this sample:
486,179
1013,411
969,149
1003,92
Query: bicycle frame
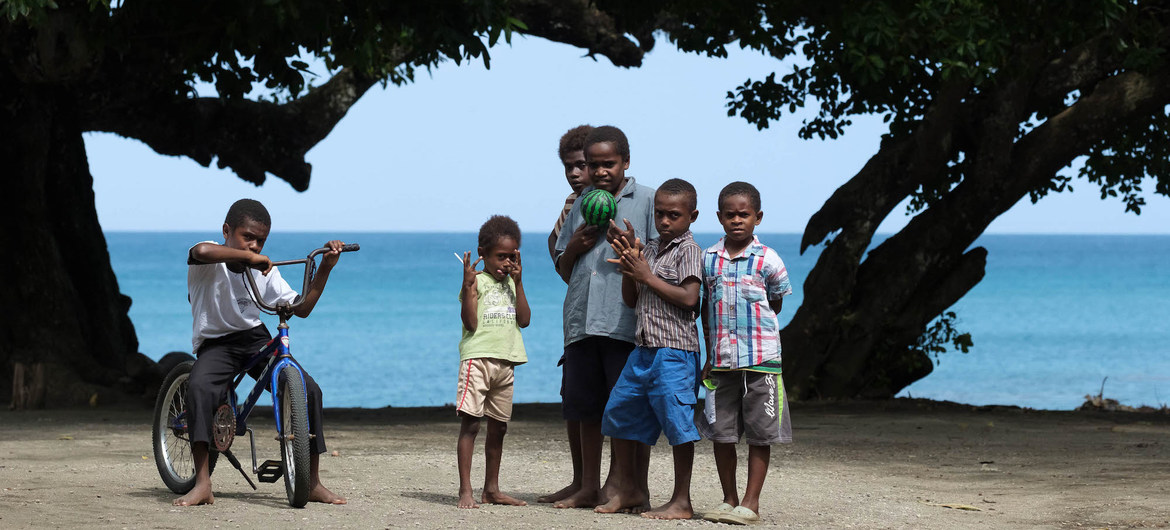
278,350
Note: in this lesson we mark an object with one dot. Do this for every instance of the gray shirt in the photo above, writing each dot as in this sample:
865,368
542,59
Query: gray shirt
593,303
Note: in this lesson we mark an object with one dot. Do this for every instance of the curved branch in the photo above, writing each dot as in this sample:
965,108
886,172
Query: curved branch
250,137
894,172
255,138
1071,132
581,24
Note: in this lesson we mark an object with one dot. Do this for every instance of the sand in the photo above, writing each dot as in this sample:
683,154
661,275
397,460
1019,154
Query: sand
893,464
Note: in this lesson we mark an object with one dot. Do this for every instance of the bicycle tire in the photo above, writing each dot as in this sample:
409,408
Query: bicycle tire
169,361
294,450
172,446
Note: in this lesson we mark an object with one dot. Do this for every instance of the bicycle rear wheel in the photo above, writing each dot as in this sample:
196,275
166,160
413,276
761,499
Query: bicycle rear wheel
170,434
172,444
294,446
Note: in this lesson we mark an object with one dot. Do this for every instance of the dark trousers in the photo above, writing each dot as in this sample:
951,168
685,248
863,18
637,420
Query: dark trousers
217,363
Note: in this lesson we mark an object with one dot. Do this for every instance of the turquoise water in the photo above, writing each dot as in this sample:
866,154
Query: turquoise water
1053,317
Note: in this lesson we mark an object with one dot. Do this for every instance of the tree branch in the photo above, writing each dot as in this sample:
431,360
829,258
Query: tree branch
255,138
580,23
250,137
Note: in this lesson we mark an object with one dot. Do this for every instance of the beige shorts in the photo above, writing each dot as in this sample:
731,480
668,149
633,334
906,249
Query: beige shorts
485,389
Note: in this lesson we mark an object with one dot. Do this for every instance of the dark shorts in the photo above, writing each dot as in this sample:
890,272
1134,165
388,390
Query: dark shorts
592,366
748,404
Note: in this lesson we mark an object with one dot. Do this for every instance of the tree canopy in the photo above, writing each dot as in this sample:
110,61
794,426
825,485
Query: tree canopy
133,68
988,102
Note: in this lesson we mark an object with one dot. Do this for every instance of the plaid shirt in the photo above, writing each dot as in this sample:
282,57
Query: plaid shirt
744,330
662,324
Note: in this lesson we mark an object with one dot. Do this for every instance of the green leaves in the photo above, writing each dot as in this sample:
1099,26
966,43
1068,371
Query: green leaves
26,9
940,336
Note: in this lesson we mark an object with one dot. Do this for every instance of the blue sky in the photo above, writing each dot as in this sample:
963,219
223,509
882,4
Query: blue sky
453,148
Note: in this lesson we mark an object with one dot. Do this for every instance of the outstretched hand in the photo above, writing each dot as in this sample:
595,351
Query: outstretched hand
630,259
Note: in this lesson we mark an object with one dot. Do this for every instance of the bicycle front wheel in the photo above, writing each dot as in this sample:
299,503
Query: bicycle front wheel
294,446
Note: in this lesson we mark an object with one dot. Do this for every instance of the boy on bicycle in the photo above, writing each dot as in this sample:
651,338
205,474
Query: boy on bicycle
227,331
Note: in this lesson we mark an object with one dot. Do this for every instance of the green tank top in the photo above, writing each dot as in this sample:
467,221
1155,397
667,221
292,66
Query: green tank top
497,336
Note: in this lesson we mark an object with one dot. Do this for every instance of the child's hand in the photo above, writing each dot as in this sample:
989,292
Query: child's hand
260,262
329,259
515,273
469,272
583,239
614,233
706,370
631,260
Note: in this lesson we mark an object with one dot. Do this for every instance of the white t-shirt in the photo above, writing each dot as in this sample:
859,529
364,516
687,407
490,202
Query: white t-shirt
221,301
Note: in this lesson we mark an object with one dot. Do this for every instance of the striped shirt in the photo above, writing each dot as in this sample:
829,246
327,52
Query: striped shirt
556,231
564,214
745,331
662,324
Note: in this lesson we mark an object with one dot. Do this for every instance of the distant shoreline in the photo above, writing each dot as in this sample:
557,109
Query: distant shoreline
764,234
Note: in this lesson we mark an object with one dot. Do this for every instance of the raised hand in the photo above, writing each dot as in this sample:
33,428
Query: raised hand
515,272
469,272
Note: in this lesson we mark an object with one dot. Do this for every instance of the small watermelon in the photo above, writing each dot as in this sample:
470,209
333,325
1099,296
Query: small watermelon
598,207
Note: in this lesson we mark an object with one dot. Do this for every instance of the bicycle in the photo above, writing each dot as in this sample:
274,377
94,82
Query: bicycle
172,446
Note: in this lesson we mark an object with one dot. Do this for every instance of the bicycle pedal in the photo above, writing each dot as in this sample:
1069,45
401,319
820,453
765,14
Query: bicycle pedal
270,471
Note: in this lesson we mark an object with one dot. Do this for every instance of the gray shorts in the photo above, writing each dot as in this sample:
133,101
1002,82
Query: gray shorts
749,404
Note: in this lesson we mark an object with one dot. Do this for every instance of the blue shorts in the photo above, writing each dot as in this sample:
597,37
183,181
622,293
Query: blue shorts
655,394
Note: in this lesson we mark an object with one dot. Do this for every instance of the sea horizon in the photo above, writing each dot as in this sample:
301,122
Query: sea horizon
1054,315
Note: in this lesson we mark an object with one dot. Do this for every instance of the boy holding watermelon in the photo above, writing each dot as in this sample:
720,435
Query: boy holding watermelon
599,328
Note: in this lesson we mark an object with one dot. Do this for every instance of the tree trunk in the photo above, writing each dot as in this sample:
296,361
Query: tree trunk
61,305
865,309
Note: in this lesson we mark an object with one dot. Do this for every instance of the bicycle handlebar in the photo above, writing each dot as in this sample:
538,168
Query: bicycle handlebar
289,309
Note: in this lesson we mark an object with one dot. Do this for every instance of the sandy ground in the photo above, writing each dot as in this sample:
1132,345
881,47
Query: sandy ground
854,465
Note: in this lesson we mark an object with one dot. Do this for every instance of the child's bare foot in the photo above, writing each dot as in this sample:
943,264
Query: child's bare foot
564,493
622,501
641,508
497,497
322,494
582,499
607,492
466,501
672,510
200,494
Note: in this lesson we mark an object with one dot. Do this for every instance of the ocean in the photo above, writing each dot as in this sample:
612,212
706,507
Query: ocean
1054,317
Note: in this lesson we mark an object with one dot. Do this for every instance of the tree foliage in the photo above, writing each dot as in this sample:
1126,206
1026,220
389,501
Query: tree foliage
987,102
136,68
